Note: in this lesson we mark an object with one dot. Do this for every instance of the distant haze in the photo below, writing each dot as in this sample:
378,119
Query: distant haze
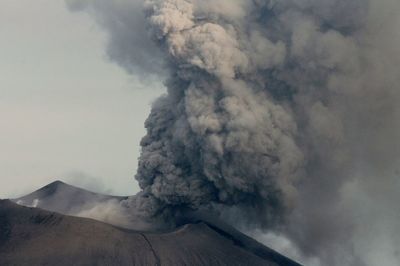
65,112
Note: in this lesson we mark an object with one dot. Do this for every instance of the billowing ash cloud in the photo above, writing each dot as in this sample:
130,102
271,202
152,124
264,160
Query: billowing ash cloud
219,136
280,115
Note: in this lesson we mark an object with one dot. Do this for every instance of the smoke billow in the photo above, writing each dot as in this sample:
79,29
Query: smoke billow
279,115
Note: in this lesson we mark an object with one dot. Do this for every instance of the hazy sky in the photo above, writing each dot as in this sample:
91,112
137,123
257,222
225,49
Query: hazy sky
66,112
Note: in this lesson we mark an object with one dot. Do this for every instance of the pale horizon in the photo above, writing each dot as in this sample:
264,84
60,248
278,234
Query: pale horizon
67,112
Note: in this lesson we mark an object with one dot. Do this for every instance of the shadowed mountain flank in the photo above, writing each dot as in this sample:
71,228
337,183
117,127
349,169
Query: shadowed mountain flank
31,236
37,237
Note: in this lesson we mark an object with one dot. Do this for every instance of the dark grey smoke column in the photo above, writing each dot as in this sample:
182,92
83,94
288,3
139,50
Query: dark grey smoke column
275,109
219,136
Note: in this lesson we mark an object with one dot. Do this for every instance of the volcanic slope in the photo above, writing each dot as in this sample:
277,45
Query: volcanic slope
64,198
31,236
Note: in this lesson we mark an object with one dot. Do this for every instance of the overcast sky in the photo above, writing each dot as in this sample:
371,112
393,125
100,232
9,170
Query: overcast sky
66,112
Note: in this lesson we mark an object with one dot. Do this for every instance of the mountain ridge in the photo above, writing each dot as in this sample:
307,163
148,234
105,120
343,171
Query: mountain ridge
57,191
47,237
190,242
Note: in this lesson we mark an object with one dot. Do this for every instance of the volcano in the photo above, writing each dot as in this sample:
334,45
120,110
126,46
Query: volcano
34,236
64,198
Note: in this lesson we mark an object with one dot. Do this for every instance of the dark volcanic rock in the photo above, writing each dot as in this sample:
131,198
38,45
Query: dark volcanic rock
31,236
37,237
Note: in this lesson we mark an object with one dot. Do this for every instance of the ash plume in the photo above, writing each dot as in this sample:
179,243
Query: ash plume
279,115
218,137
